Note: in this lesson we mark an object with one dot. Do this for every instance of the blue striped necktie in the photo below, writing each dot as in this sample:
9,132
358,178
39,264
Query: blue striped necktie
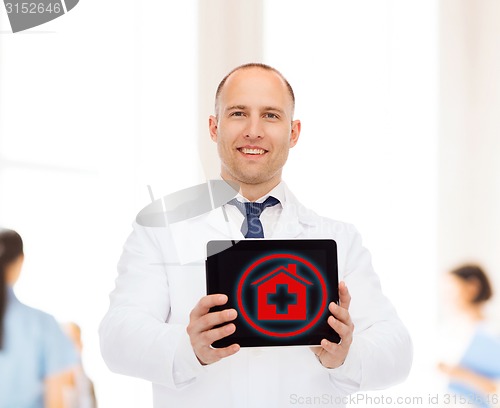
252,227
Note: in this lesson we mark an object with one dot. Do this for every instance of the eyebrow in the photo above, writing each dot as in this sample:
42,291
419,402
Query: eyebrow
273,108
266,108
236,107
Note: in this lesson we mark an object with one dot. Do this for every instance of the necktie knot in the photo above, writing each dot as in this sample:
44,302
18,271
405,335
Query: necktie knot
252,226
255,209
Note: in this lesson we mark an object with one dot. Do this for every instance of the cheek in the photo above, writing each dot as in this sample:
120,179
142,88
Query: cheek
227,137
283,142
282,135
225,146
232,128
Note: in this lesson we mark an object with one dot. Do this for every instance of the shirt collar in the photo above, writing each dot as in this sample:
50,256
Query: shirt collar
277,192
10,293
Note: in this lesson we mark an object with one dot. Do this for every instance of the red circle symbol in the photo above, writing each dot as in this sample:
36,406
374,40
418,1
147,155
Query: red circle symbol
253,324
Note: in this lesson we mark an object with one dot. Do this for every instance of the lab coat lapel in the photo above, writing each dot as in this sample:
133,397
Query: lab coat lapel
288,225
294,218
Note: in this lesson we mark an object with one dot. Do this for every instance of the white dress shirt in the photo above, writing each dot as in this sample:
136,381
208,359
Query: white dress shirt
269,217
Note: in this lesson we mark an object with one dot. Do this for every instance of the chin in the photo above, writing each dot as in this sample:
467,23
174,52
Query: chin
251,180
251,176
247,178
255,179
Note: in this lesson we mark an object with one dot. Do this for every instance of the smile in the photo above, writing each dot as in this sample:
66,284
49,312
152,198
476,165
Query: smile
252,151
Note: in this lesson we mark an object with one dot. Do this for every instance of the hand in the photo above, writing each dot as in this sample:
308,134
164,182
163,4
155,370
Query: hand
333,355
202,332
464,375
447,369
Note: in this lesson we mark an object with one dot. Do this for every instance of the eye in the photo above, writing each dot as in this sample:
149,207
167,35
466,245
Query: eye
270,115
237,113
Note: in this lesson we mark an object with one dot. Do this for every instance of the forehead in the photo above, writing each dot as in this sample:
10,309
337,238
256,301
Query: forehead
255,86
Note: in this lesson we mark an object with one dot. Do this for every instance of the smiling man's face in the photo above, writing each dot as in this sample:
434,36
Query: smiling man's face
253,128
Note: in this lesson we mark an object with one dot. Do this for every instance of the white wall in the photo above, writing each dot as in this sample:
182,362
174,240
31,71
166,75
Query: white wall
469,183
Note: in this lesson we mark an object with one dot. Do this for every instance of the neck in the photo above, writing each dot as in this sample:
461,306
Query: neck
475,313
253,192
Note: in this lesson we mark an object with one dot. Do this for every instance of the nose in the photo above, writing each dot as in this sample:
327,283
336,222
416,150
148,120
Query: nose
254,129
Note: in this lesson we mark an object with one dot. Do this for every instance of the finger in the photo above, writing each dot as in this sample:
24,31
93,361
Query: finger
225,352
344,295
208,321
215,318
210,336
340,313
206,303
316,350
210,355
343,330
329,347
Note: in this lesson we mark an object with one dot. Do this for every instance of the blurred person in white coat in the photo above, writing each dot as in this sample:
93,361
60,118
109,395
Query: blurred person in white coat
159,327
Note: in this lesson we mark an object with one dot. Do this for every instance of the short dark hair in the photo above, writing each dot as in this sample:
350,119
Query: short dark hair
254,65
11,248
470,273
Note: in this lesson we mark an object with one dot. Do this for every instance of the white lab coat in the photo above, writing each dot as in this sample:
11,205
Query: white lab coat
162,277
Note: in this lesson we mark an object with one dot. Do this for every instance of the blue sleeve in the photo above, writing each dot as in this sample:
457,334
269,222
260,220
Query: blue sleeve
483,355
58,352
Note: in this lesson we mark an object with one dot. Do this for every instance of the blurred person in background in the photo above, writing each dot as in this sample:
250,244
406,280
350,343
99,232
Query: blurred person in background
36,357
475,379
81,394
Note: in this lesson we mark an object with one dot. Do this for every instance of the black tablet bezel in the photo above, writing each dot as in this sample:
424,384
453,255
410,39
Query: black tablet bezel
217,249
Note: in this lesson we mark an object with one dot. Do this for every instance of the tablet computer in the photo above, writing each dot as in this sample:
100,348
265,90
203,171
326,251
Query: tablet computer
281,289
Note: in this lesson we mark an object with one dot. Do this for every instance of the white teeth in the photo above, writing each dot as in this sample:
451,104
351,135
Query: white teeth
252,151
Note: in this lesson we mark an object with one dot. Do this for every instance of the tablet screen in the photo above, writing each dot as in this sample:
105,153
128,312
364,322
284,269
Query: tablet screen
280,288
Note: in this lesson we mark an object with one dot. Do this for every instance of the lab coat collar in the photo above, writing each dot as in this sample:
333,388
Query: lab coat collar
294,217
191,236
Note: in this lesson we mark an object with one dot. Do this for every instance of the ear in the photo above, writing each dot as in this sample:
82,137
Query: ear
295,133
212,127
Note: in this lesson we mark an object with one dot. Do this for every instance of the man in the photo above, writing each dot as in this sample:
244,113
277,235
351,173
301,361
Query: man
159,326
